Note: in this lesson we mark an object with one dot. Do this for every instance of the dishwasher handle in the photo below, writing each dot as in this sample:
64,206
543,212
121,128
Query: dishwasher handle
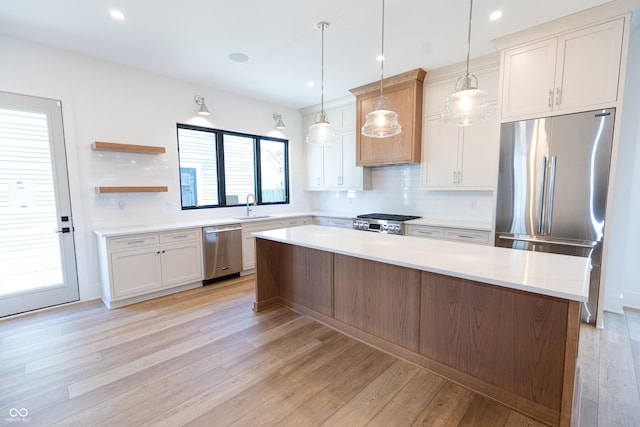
221,229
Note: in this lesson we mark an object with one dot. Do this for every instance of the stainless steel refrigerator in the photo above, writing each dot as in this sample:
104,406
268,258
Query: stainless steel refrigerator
552,188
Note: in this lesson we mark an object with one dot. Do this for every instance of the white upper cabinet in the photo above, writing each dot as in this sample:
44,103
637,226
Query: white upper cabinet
459,158
334,167
576,71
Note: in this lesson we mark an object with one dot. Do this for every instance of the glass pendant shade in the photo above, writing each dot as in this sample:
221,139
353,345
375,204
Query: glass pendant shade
322,133
467,105
381,122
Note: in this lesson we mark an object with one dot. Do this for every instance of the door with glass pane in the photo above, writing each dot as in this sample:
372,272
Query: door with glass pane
37,254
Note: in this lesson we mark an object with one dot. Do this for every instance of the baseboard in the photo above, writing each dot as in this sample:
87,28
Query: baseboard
632,300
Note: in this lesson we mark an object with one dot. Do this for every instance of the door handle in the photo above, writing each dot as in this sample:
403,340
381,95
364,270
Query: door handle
543,173
550,191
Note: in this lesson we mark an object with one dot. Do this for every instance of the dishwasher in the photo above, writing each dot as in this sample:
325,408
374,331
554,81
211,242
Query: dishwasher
222,246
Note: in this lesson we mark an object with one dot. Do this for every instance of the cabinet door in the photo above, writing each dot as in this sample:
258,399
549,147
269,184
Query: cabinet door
315,165
248,251
528,79
440,156
478,162
135,272
589,66
332,165
181,263
352,175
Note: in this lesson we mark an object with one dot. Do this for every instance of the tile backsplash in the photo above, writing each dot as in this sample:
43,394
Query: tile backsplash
397,190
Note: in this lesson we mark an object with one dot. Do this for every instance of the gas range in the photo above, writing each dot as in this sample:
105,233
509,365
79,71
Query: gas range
382,223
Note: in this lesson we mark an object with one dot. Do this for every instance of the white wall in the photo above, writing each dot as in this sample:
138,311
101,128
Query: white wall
623,276
107,102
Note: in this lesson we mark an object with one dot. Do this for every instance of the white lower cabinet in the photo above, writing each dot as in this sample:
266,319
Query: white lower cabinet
444,233
333,221
136,267
249,242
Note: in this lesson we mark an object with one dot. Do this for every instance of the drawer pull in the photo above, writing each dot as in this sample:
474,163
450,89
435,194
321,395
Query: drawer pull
465,236
135,242
184,236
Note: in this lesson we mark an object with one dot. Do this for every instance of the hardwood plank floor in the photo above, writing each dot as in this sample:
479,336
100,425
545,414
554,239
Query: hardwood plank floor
204,358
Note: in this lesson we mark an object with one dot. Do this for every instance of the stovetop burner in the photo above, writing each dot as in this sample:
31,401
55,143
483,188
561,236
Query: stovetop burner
388,217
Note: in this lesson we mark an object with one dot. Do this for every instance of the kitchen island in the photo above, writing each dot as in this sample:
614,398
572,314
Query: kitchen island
502,322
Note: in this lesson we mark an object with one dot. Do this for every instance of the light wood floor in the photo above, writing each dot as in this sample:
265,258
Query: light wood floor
203,358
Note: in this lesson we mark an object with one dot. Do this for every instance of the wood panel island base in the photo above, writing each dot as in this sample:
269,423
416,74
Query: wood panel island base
515,346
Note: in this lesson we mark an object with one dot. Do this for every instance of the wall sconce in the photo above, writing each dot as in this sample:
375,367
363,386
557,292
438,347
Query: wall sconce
203,106
279,123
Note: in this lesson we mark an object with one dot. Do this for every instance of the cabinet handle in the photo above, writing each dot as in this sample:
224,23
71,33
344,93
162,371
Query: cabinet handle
184,236
158,252
425,232
459,177
135,242
318,180
550,98
558,96
465,236
454,177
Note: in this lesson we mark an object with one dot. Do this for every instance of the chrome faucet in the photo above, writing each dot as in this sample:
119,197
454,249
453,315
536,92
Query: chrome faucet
249,209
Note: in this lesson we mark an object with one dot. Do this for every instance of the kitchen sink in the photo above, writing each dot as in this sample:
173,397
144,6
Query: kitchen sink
244,218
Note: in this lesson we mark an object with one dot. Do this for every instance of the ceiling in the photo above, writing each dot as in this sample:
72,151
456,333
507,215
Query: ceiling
191,40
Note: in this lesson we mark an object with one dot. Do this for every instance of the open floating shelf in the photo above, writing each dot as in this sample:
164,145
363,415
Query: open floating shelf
129,148
153,189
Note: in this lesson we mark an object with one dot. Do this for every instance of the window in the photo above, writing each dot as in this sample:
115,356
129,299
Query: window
221,168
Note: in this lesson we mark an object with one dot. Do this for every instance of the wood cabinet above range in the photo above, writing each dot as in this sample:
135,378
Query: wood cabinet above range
404,95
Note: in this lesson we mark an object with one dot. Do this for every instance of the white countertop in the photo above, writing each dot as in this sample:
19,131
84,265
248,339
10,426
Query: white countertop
154,228
554,275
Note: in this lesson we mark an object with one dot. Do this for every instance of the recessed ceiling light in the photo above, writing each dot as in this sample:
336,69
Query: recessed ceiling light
116,14
238,57
311,84
495,15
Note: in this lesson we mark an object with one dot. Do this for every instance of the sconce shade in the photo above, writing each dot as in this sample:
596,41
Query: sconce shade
203,110
279,123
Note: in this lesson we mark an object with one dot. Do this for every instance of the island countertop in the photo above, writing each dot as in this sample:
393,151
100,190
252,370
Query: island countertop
554,275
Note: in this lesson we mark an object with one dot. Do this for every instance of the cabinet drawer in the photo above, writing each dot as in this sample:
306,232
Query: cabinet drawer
133,241
261,226
467,236
180,236
291,222
334,222
418,231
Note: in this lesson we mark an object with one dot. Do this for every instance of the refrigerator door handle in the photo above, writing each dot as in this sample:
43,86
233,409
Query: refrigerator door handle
553,242
550,191
543,178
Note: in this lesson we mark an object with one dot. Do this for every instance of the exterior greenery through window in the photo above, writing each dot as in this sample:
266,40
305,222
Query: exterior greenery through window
220,168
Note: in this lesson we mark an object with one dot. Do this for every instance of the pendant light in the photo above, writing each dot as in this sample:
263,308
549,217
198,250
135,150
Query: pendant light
322,132
468,104
381,122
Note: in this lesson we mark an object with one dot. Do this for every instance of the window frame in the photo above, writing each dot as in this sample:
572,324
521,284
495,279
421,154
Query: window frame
220,167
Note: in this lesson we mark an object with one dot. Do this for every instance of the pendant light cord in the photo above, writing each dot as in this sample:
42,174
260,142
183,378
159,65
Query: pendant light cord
324,25
468,44
382,59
